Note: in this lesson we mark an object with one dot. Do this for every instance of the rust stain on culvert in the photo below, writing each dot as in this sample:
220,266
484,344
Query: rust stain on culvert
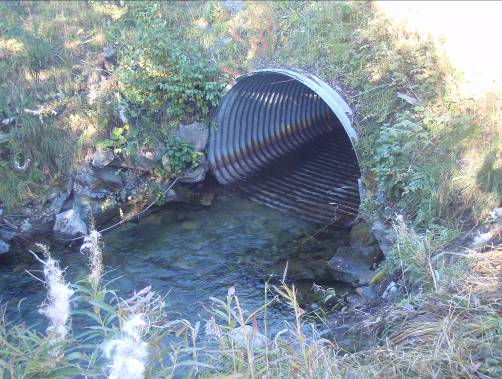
284,137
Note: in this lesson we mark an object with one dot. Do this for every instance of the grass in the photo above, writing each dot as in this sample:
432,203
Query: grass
437,163
52,62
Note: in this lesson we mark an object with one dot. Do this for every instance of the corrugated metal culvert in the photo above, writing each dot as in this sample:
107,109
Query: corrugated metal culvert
284,137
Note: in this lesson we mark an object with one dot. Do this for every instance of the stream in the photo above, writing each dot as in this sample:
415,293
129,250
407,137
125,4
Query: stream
187,252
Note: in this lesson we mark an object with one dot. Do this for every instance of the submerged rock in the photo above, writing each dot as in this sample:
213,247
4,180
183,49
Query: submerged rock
196,133
69,225
207,199
4,247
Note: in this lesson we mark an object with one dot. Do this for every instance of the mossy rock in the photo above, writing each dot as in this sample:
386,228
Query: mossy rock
360,235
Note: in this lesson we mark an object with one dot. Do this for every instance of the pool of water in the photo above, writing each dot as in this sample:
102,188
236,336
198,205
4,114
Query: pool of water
190,253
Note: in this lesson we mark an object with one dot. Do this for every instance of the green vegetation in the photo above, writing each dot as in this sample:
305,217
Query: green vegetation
64,97
181,156
438,163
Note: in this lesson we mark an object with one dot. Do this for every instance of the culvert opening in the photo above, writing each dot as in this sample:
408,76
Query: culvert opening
284,138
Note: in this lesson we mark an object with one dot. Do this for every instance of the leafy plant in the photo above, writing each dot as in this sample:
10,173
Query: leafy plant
181,156
118,139
157,71
396,152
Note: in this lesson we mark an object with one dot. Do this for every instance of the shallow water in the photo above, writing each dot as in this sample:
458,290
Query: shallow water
190,253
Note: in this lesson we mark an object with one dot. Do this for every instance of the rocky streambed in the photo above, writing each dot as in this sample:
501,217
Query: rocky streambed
202,239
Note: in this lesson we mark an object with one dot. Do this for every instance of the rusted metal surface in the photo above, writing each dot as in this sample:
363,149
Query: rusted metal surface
284,137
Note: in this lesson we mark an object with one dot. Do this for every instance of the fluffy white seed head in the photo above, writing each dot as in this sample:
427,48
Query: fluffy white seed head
128,353
56,306
91,247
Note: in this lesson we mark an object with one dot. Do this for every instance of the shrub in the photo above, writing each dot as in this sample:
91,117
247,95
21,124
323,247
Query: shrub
156,70
181,155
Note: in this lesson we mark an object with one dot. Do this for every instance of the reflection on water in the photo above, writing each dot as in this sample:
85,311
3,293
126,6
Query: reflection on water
189,253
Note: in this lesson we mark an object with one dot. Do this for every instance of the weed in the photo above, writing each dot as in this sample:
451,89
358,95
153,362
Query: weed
181,155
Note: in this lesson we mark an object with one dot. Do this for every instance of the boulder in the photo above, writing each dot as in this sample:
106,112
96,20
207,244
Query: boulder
196,133
58,202
69,225
354,264
193,175
102,158
384,234
7,233
4,247
111,178
109,52
147,158
85,178
26,227
360,235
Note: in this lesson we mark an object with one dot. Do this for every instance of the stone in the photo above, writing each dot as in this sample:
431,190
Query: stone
102,158
171,196
4,247
6,233
207,199
58,202
391,291
497,213
147,158
109,52
193,175
353,264
368,294
26,226
384,234
360,235
196,133
69,225
111,178
85,179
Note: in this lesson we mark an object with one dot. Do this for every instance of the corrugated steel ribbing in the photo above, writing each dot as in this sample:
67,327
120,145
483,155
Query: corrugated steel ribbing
269,119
